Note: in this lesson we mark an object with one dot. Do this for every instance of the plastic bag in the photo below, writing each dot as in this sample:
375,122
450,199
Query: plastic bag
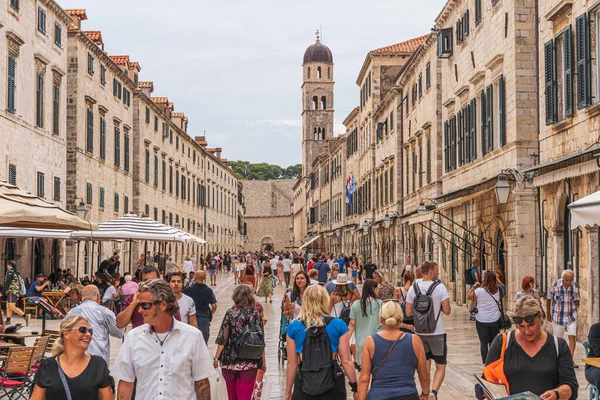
262,389
218,387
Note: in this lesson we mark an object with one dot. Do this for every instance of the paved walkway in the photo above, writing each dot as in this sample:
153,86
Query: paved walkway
463,345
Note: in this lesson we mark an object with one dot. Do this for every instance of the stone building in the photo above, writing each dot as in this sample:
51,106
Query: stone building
33,106
568,144
269,214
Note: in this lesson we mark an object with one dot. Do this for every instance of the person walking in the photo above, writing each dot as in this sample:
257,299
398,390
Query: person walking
167,358
292,301
341,299
101,320
407,321
472,277
434,342
310,327
341,262
205,301
236,270
187,307
239,367
323,269
266,285
487,298
387,291
361,269
369,268
188,266
249,272
364,316
561,307
85,376
212,269
390,359
297,266
12,287
287,270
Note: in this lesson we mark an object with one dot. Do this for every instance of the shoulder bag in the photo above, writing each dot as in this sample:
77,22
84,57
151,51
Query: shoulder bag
386,356
63,378
505,322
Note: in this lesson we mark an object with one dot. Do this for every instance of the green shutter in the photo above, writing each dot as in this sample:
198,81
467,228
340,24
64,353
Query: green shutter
56,109
473,128
568,71
459,138
582,44
102,138
12,70
550,82
482,123
453,143
477,12
90,130
147,165
489,121
39,103
501,112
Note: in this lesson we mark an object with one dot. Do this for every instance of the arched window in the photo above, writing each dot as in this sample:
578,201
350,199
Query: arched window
323,103
318,72
308,73
315,105
319,133
328,73
323,133
315,137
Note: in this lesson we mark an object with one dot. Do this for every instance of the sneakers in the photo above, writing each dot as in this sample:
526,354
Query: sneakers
7,321
27,318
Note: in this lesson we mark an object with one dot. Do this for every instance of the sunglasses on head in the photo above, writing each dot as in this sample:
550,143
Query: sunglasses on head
528,318
83,330
148,305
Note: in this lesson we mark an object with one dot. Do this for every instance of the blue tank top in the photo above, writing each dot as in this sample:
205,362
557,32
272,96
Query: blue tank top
397,375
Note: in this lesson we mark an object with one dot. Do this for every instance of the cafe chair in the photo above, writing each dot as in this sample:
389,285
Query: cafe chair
28,306
16,373
594,394
52,337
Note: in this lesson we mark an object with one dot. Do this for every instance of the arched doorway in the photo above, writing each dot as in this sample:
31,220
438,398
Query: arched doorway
267,243
55,260
500,257
86,259
10,250
38,255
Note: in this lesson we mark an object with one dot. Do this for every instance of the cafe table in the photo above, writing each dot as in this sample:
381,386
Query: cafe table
18,337
595,362
54,298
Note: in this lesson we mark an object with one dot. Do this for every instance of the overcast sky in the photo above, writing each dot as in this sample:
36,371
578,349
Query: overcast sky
235,67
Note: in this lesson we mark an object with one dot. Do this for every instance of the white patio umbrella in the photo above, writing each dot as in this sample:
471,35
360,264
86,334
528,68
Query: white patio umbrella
585,211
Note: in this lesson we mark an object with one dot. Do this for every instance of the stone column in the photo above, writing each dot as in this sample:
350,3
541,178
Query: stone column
593,282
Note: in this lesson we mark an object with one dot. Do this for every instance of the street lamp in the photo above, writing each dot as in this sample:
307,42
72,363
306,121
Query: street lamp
81,210
365,225
502,189
422,210
176,226
386,221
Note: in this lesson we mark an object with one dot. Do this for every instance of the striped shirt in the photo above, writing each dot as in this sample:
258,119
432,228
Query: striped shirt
104,324
564,310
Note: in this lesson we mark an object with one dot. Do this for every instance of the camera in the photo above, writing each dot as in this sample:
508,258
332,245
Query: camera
473,310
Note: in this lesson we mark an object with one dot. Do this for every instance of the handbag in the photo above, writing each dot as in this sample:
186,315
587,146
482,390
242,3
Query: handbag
63,379
386,356
494,372
505,322
218,387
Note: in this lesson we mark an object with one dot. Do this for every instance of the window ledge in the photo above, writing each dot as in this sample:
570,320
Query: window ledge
563,125
593,109
558,9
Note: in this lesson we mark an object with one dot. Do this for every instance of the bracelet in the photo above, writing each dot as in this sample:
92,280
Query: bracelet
353,386
556,393
425,394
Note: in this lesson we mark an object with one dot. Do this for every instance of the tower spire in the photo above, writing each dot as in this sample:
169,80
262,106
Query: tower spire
318,36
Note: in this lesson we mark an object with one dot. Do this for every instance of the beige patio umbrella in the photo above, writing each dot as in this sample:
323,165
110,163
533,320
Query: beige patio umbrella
19,209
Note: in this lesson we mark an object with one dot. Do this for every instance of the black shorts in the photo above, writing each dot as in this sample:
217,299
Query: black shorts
436,348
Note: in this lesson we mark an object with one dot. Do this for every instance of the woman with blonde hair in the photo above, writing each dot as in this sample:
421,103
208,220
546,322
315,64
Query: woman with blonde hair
361,266
70,369
390,359
313,316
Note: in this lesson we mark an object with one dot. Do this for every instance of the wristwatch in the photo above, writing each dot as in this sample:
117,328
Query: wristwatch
425,394
556,393
353,386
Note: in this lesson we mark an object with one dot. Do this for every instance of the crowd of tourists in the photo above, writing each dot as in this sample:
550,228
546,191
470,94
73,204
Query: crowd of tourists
345,328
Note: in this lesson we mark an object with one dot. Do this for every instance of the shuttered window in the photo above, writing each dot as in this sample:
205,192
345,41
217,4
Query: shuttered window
101,197
103,74
102,138
90,131
183,190
55,108
12,174
147,166
155,123
164,175
466,114
57,34
40,185
41,22
116,202
11,84
501,112
478,14
170,179
466,24
90,64
427,75
177,183
582,45
568,72
155,171
428,151
39,100
460,138
14,4
550,82
56,188
117,147
482,123
126,204
473,127
147,115
88,193
453,142
446,146
126,159
489,117
420,85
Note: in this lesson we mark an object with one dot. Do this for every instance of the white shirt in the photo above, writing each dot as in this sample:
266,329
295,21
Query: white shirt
186,308
287,265
440,293
109,292
167,372
274,262
188,267
488,310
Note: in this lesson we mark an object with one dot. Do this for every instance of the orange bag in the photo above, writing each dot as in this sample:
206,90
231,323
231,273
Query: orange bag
494,372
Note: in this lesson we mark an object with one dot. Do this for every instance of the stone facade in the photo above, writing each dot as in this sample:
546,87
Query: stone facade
268,214
33,106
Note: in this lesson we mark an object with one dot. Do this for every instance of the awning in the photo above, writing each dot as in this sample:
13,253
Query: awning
20,209
6,232
456,202
309,242
572,171
585,211
132,227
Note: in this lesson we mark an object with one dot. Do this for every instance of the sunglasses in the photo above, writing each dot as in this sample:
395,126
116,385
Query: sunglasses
148,305
83,330
528,318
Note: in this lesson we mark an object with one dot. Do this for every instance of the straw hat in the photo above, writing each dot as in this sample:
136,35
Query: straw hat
342,279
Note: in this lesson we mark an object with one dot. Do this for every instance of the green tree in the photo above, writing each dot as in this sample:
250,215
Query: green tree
264,171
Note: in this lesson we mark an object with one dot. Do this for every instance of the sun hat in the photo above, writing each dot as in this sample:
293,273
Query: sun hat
342,279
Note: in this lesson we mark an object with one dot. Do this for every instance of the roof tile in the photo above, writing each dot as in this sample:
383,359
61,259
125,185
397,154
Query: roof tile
78,13
120,60
146,85
95,36
408,46
160,100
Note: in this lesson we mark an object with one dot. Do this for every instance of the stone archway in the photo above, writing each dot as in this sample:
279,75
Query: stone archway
267,243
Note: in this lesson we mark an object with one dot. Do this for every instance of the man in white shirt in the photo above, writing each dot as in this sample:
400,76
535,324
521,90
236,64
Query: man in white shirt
287,271
187,308
435,342
168,358
274,261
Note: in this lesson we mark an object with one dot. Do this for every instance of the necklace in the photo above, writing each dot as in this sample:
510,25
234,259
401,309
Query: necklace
166,337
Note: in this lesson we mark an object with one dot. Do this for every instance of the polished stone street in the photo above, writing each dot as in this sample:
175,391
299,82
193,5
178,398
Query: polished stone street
463,345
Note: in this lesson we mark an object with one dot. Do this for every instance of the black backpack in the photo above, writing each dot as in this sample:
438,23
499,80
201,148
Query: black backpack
425,320
251,344
317,366
345,312
469,278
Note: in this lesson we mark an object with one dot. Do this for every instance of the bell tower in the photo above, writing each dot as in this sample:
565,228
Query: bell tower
317,102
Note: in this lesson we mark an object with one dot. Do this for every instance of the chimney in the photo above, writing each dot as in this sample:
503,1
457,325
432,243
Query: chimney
78,15
218,151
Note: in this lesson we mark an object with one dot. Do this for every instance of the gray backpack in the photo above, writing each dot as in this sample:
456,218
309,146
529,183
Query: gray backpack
425,320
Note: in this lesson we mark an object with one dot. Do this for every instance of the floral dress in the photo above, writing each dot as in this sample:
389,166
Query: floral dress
266,285
231,330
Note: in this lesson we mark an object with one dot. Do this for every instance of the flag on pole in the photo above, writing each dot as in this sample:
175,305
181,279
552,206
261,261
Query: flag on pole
245,170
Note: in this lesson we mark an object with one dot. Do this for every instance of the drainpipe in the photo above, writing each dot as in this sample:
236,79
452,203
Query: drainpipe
539,197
